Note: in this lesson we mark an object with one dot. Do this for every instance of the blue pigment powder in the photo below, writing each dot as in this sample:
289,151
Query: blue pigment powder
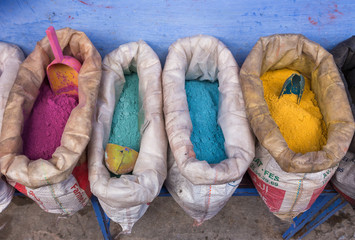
207,136
124,128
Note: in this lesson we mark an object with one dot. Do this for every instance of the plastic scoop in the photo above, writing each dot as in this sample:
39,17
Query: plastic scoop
294,84
119,159
64,70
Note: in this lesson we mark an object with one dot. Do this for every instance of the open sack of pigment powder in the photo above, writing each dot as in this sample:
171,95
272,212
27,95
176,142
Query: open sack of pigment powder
200,188
11,57
59,184
344,178
290,182
126,199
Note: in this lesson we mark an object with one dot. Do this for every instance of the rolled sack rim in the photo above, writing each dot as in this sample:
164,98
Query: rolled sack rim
204,57
257,63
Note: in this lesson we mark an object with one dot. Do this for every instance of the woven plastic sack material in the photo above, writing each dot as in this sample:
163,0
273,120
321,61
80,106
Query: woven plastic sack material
66,197
285,194
11,57
126,199
51,182
6,193
344,178
300,177
199,188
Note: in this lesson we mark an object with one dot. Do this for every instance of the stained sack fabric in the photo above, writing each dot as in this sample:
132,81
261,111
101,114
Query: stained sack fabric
60,184
11,57
126,199
285,194
344,178
296,52
294,177
199,188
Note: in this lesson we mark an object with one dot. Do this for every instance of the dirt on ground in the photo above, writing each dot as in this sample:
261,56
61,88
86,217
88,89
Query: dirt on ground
241,218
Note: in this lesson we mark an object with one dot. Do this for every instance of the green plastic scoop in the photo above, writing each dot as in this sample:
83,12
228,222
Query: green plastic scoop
293,84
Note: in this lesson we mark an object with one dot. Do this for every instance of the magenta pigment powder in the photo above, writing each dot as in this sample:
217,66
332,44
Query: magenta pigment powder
44,127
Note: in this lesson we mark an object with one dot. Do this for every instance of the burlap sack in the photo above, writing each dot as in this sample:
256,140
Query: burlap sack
296,52
17,167
199,188
11,57
344,178
126,199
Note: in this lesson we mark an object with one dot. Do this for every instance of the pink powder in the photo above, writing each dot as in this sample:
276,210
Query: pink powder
44,128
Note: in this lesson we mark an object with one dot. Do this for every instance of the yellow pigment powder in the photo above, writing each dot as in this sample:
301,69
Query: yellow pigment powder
301,125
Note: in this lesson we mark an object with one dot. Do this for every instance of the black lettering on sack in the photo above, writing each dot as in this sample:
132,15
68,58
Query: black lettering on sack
348,159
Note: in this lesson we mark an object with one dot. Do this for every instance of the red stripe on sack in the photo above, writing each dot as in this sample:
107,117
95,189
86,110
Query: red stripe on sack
209,197
81,174
21,188
272,196
208,202
315,195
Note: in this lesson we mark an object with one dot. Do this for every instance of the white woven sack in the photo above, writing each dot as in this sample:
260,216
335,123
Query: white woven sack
65,198
6,193
11,57
344,177
126,199
199,188
285,194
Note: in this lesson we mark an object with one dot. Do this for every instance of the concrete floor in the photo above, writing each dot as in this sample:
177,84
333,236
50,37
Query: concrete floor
241,218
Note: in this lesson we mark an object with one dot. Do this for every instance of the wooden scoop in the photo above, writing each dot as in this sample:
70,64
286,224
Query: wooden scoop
64,70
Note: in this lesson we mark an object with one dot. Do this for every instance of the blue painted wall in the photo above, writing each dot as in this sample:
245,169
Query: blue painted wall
238,24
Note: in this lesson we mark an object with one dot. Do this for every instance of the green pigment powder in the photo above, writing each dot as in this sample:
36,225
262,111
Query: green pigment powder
124,128
207,136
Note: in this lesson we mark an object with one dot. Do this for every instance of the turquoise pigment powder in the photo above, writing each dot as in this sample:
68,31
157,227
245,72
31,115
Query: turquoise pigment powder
124,128
207,136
